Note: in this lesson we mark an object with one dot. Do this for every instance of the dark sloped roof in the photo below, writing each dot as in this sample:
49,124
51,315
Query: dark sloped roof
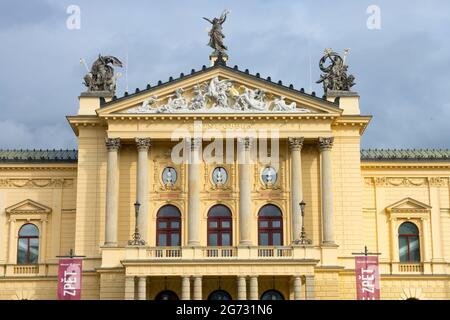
38,156
405,155
71,156
205,69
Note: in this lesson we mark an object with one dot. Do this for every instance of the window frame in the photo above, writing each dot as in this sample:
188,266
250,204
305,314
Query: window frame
408,237
28,247
168,231
270,230
219,230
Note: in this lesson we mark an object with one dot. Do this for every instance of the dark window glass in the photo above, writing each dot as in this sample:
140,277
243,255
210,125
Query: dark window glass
409,243
28,244
219,295
272,295
168,231
166,295
270,226
219,226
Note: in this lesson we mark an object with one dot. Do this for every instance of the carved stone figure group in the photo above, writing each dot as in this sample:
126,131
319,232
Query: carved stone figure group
102,77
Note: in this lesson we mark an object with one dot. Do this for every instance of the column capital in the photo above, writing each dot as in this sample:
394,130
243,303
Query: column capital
195,143
296,144
245,142
326,143
143,144
112,144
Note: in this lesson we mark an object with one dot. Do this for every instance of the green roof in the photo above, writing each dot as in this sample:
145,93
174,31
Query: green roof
38,156
405,155
71,156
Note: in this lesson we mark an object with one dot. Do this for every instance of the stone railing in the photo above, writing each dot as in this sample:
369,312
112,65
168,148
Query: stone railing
410,267
21,270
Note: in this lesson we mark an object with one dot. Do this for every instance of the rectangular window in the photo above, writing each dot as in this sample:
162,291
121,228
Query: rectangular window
175,225
162,240
226,224
22,251
276,239
264,239
414,251
162,225
403,247
175,239
213,224
263,224
213,239
226,239
276,224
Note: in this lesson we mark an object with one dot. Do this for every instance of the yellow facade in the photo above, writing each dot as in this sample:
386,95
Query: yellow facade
68,202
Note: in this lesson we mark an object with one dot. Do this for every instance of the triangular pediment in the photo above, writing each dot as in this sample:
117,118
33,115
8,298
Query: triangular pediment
219,90
408,204
28,206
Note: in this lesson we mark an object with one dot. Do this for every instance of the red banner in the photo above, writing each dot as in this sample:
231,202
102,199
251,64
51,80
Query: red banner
367,278
69,279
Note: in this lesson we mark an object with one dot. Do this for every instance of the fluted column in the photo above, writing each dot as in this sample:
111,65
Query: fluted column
254,288
197,288
129,288
185,288
112,191
245,195
295,145
310,289
194,192
325,145
142,288
297,282
143,145
242,288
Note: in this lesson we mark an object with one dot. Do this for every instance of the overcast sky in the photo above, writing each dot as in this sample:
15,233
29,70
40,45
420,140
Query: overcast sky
402,70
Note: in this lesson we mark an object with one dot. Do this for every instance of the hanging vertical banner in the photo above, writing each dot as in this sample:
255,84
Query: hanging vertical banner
69,279
367,278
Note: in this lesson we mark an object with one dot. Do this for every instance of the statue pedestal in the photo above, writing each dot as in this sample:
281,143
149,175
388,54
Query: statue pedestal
215,55
348,101
91,101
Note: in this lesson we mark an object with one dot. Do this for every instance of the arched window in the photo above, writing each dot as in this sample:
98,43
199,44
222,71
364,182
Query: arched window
270,226
219,295
28,244
219,226
168,226
272,295
167,295
408,242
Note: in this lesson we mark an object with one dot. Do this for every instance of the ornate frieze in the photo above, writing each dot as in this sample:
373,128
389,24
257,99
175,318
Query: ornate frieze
406,181
438,182
143,144
218,96
326,143
296,144
112,144
36,183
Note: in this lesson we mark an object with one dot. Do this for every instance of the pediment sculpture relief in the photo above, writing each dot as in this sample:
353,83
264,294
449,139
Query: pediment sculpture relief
217,96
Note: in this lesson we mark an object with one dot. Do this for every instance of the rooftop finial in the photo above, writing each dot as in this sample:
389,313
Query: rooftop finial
216,37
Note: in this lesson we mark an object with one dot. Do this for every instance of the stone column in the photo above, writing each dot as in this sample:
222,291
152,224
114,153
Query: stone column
241,288
129,288
436,224
12,254
295,145
194,192
143,145
185,288
254,288
112,191
142,287
297,282
325,145
197,288
42,242
245,191
309,288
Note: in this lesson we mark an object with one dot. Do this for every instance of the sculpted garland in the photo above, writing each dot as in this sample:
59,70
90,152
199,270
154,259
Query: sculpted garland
218,96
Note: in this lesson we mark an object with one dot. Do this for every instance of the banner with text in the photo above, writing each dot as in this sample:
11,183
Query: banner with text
367,278
69,279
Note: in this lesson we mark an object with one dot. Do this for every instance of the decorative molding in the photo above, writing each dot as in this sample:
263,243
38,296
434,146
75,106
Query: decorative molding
326,143
406,181
26,207
143,144
36,183
438,182
112,144
296,144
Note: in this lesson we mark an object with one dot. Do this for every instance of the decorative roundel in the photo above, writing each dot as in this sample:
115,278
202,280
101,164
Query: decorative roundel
169,175
269,175
219,175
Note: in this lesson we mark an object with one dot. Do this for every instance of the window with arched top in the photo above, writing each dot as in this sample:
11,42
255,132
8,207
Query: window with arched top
272,295
28,244
220,228
167,295
409,242
270,226
168,226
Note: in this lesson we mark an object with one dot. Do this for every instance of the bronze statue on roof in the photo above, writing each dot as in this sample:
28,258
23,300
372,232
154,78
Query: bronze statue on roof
102,77
216,35
334,75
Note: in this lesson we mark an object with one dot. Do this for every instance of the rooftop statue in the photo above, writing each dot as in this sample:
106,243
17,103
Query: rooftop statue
102,77
215,34
334,75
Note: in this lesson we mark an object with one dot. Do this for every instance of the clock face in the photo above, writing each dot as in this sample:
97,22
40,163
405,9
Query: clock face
169,175
269,175
220,175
